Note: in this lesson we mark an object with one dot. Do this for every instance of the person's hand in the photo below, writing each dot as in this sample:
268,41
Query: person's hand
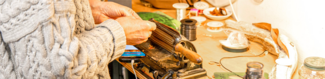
136,31
109,10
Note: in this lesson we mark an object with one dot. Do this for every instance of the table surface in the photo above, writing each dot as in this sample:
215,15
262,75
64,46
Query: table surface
208,46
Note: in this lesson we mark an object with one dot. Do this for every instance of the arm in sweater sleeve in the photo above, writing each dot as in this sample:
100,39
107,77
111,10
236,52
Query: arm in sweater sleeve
94,50
6,66
51,39
107,37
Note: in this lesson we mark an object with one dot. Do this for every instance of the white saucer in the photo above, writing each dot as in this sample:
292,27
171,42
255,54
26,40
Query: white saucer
228,45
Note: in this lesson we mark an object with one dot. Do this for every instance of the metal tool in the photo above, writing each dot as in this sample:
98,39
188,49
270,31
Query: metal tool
169,39
166,53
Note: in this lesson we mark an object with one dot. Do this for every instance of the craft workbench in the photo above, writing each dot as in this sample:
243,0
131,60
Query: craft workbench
209,47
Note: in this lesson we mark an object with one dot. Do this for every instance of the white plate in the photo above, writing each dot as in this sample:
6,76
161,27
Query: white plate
206,12
227,44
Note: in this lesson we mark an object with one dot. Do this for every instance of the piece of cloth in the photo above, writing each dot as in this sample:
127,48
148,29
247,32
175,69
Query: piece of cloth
51,39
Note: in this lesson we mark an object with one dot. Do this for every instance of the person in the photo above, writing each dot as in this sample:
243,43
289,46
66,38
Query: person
50,39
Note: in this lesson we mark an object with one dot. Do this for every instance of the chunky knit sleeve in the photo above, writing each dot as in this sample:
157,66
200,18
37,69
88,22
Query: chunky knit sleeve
6,66
84,55
113,36
98,47
56,39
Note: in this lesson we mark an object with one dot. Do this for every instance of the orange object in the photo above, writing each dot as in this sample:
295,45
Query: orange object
219,12
263,25
274,34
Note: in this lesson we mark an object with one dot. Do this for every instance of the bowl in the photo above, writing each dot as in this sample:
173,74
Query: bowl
206,12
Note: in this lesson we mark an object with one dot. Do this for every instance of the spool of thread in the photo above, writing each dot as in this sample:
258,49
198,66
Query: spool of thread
188,29
201,6
180,10
214,26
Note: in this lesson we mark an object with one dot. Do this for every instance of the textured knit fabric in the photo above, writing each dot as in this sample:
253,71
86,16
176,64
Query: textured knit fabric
52,39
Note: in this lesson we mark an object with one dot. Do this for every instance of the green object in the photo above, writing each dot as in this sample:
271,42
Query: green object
162,18
226,75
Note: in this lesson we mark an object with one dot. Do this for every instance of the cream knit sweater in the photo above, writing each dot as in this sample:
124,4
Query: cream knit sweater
56,39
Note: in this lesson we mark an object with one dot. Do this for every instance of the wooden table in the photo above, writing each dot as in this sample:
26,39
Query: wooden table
208,46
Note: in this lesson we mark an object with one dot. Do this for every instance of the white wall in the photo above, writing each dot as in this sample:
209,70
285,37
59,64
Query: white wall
303,21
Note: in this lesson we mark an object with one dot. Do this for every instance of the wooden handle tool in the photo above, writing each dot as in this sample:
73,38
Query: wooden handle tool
192,56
